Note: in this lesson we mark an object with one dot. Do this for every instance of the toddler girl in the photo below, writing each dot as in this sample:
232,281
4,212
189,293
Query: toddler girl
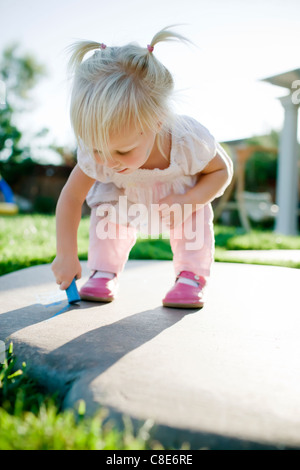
138,162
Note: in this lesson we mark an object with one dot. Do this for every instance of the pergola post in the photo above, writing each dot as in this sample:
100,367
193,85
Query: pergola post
287,196
287,174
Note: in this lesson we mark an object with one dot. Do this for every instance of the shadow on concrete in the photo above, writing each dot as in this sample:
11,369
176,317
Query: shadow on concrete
15,320
102,347
73,366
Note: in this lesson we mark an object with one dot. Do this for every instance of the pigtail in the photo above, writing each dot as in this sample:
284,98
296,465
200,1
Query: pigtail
78,50
166,34
120,86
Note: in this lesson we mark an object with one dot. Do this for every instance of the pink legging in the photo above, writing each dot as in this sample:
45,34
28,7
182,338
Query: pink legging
192,244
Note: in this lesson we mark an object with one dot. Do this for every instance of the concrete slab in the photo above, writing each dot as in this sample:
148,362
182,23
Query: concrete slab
226,376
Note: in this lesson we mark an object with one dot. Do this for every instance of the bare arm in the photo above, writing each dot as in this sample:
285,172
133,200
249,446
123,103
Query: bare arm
211,180
68,215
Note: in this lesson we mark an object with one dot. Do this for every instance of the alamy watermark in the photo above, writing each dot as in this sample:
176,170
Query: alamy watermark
150,221
296,94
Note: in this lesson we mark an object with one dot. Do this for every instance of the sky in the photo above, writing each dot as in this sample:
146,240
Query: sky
218,81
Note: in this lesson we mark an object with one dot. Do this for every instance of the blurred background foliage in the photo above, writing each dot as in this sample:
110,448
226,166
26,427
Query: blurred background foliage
20,73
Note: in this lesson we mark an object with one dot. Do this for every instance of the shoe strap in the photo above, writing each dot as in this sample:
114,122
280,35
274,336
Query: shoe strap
103,275
192,276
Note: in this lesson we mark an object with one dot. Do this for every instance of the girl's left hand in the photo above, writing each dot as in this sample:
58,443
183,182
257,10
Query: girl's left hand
174,210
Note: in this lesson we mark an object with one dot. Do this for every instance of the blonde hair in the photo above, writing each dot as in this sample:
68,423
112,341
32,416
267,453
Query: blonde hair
117,87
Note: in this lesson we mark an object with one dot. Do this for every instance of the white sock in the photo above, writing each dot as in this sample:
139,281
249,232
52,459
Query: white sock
105,274
190,282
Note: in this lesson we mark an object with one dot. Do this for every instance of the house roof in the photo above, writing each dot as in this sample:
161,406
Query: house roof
285,79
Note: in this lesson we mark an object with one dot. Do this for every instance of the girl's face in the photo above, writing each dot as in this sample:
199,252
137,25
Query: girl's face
129,150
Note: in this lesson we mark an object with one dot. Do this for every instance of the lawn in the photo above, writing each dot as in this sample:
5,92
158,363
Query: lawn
27,240
29,418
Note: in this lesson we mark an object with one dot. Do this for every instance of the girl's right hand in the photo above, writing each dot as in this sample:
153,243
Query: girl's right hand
65,269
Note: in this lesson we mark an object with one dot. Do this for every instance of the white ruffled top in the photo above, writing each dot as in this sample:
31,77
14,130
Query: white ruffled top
189,156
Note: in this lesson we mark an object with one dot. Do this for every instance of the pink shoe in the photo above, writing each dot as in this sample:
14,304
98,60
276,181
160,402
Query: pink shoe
184,295
100,289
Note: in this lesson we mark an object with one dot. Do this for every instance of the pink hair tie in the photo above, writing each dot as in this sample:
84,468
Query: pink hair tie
102,46
150,48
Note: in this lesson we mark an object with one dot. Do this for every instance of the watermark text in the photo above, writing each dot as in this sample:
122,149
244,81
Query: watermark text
186,224
296,94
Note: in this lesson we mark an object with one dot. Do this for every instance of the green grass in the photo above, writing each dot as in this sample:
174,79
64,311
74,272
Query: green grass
29,418
233,238
28,240
236,239
32,420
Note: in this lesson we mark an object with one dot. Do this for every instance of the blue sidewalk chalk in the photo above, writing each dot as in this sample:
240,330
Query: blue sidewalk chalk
72,293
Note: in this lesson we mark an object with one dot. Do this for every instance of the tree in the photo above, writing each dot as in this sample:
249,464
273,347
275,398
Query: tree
20,73
261,168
